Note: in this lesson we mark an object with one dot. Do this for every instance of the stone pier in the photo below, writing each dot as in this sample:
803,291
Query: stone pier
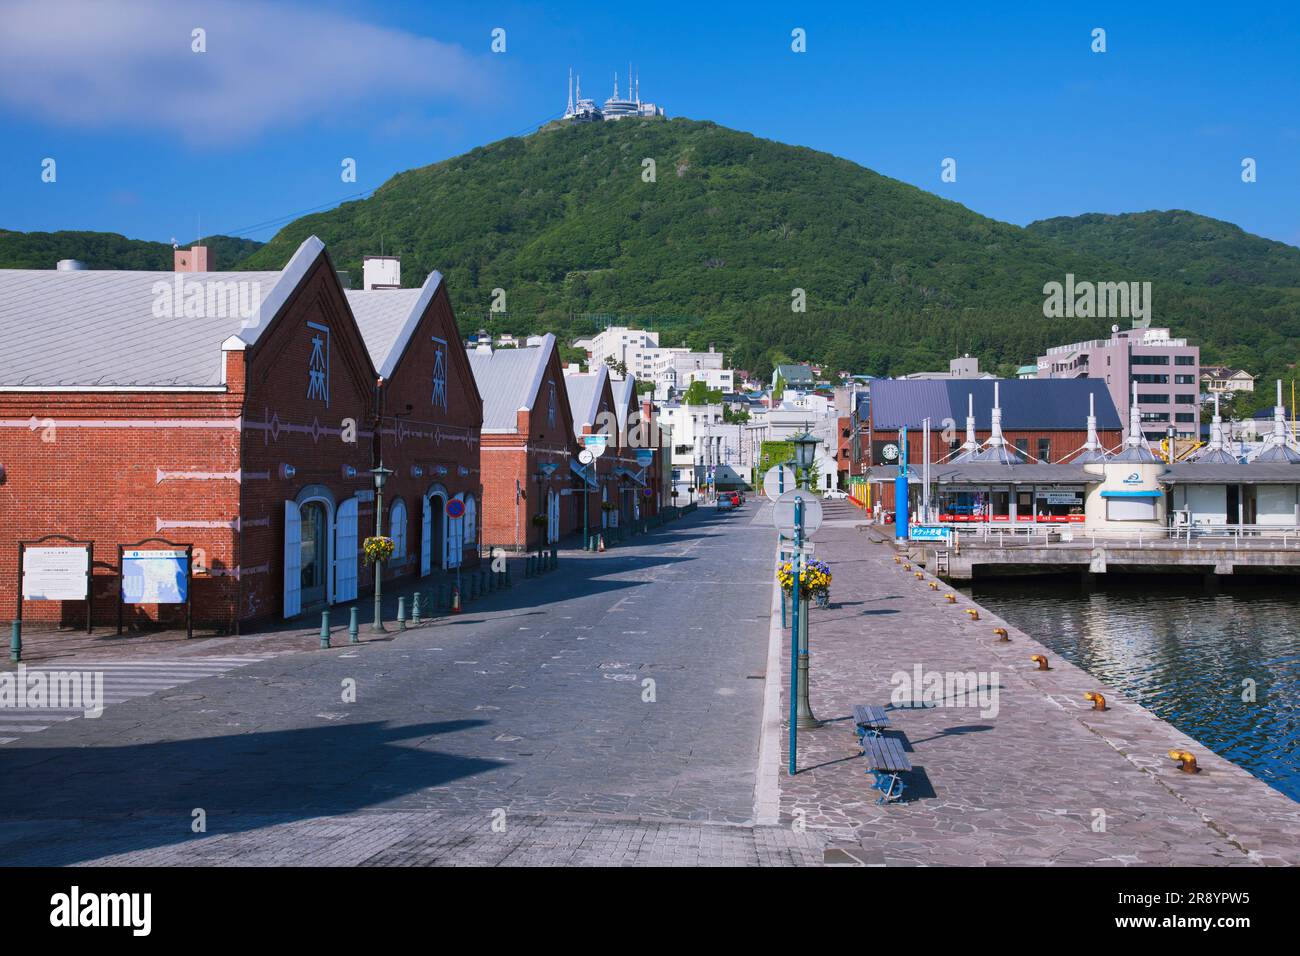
1039,779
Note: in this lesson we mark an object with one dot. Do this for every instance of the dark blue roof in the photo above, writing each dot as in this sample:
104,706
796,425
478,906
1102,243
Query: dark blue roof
1027,403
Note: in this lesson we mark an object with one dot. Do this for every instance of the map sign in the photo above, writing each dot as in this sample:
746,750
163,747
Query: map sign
55,574
154,577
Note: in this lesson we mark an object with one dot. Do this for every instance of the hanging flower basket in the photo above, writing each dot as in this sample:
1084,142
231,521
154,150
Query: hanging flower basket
814,581
377,549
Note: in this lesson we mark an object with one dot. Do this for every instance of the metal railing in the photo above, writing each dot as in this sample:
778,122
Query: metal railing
1208,536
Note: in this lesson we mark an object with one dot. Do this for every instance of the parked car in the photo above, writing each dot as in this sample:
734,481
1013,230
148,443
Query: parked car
736,500
834,494
724,503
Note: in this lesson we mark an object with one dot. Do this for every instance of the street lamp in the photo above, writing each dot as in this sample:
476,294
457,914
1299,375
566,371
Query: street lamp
381,475
805,450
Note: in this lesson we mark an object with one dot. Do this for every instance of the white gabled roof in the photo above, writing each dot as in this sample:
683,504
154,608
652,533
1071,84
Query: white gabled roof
387,319
98,328
585,389
508,380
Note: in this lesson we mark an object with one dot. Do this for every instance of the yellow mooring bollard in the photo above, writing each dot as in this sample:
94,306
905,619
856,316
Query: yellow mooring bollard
1041,661
1186,762
1098,701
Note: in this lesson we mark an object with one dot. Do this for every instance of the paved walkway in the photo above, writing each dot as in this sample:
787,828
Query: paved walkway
406,838
1043,780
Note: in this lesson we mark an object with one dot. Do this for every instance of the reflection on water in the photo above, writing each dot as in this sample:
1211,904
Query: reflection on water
1182,653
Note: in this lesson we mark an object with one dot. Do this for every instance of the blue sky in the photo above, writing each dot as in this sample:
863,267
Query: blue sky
154,141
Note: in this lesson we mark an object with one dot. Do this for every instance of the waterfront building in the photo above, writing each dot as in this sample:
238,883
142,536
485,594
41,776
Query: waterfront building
136,405
528,441
1166,369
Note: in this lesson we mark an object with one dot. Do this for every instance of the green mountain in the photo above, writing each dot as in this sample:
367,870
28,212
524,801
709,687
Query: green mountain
108,250
575,230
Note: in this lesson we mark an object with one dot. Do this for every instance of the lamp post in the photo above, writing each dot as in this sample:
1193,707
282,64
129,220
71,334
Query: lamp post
805,449
381,475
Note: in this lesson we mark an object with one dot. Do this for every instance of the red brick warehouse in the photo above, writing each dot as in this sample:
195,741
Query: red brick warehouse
233,411
527,424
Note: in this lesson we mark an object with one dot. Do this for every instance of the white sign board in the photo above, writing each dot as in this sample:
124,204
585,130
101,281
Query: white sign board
586,456
595,444
783,512
55,574
154,577
778,480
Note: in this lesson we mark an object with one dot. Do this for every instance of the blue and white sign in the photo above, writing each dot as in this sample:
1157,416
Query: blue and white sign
595,444
154,577
645,457
930,532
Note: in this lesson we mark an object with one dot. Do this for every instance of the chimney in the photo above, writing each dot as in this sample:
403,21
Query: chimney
381,272
194,259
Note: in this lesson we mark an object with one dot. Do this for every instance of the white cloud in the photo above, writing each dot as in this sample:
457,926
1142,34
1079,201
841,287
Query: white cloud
87,63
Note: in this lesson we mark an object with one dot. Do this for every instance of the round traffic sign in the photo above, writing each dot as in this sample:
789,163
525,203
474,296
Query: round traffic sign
783,512
455,508
778,480
586,456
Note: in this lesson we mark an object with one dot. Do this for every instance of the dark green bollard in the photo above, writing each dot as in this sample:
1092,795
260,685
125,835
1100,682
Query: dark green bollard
16,642
401,612
415,609
353,628
324,629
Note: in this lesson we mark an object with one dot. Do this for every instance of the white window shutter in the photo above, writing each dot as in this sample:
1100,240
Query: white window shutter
345,552
292,559
426,532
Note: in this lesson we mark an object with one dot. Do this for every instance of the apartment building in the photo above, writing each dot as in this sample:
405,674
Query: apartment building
1166,371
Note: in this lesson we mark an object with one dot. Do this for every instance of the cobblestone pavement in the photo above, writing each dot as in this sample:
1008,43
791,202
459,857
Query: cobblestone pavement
534,700
121,681
425,838
1031,784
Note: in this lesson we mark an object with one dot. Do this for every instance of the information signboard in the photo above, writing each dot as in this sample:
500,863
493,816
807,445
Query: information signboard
155,577
55,574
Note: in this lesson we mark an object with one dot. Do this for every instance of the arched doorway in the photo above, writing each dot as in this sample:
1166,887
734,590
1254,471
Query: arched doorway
433,530
314,551
309,559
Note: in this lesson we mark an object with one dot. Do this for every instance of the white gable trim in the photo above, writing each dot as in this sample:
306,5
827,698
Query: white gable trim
427,292
290,278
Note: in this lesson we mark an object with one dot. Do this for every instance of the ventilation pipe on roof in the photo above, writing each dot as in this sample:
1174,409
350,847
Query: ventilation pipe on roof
1277,447
70,265
970,446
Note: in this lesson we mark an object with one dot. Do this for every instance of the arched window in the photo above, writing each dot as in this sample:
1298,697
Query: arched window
397,529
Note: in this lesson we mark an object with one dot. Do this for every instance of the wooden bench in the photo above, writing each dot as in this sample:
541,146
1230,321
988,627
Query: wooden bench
885,761
869,719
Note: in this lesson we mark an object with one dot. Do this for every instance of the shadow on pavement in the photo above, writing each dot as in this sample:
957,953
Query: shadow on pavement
288,775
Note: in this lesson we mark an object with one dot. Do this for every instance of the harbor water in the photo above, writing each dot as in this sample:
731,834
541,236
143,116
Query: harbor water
1188,656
